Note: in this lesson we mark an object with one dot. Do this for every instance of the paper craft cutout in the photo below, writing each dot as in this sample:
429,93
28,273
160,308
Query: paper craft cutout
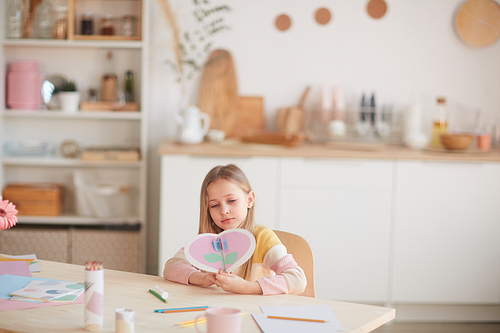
227,251
15,268
60,291
34,266
28,261
9,283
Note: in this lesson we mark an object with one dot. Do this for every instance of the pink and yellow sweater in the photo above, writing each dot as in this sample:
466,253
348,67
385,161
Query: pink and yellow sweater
272,267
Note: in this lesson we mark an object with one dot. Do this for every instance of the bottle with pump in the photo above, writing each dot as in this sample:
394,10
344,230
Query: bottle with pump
108,85
440,126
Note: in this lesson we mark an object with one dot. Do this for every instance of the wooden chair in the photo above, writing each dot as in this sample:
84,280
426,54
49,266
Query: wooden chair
302,253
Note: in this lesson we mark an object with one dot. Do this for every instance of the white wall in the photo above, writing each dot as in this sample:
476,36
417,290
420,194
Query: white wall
412,49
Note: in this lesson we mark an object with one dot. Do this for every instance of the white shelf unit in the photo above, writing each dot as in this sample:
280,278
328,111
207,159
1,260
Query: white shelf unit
84,62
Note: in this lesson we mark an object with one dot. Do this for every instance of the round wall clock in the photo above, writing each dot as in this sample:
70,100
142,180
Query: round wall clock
478,22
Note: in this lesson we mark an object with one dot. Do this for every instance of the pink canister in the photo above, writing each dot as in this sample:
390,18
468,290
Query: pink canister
24,84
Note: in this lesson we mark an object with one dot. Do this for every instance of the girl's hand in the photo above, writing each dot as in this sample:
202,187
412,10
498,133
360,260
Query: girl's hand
235,284
202,279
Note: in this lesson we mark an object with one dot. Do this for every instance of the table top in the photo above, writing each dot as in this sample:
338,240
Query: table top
130,290
234,148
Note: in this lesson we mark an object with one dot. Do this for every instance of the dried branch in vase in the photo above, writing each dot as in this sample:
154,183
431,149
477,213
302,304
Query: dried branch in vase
192,46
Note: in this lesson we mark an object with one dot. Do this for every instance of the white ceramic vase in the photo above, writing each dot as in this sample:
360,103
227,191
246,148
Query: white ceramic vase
69,100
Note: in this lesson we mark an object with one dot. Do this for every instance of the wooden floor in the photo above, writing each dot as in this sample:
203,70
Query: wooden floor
438,328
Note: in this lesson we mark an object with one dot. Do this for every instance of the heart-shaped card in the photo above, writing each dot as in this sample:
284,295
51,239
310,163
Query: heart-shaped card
227,251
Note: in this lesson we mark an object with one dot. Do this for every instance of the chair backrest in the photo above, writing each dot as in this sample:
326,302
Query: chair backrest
302,253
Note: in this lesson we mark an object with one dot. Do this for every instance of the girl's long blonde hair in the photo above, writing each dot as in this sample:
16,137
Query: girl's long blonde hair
235,175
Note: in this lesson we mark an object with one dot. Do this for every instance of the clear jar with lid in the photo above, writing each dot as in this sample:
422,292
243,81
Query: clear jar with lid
108,25
60,27
129,25
43,20
14,12
87,23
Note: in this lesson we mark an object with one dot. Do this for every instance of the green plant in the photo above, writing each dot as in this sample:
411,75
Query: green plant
66,85
192,46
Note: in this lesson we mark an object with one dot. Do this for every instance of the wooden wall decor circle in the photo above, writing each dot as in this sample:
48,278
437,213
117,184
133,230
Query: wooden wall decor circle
322,16
376,8
283,22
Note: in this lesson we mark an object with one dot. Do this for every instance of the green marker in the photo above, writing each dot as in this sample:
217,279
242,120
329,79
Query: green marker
158,295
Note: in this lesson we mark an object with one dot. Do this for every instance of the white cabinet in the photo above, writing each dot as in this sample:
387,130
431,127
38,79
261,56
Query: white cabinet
181,178
447,246
84,62
382,231
343,209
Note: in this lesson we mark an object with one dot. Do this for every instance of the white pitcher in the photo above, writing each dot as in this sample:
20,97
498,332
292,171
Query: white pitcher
193,126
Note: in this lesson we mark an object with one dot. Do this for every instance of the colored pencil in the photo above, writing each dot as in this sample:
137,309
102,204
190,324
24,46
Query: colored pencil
158,295
202,320
193,308
300,319
189,323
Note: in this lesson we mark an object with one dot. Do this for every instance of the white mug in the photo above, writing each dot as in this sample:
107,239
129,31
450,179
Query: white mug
221,320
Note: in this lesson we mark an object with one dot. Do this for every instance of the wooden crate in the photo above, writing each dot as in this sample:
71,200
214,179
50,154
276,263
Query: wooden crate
108,106
38,199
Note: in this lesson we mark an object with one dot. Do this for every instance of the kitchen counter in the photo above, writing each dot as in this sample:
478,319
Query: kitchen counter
317,150
396,218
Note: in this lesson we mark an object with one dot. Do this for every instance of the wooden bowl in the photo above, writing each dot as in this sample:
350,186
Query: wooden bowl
456,141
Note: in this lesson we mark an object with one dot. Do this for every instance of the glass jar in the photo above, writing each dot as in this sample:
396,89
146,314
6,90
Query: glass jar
13,19
129,25
87,23
43,20
60,27
107,25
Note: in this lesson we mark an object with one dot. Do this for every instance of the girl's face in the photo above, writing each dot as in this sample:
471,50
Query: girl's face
228,203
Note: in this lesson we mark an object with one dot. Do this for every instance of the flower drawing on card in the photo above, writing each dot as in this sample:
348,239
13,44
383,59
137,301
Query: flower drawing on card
227,250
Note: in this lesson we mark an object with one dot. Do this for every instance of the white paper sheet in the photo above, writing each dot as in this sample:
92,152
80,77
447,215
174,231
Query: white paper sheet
323,312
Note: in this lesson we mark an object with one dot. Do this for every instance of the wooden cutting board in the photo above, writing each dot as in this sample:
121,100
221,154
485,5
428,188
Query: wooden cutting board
250,117
218,94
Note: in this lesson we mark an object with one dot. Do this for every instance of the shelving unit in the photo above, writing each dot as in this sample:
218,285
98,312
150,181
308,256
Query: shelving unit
82,61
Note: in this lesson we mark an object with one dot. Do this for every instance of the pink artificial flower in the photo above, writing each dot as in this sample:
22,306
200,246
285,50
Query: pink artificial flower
8,214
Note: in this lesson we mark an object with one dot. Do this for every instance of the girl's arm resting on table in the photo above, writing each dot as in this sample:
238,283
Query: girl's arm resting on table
178,269
289,278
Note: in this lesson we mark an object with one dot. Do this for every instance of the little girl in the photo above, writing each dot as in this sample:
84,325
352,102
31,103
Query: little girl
227,202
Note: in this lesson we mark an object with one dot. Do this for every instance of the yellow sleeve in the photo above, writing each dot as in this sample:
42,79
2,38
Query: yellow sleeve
265,240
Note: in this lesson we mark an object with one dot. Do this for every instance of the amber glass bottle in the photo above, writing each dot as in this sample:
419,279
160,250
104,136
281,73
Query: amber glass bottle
440,126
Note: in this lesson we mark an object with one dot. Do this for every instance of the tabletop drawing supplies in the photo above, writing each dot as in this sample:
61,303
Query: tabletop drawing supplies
94,296
187,309
158,292
54,290
190,323
299,319
32,261
158,296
